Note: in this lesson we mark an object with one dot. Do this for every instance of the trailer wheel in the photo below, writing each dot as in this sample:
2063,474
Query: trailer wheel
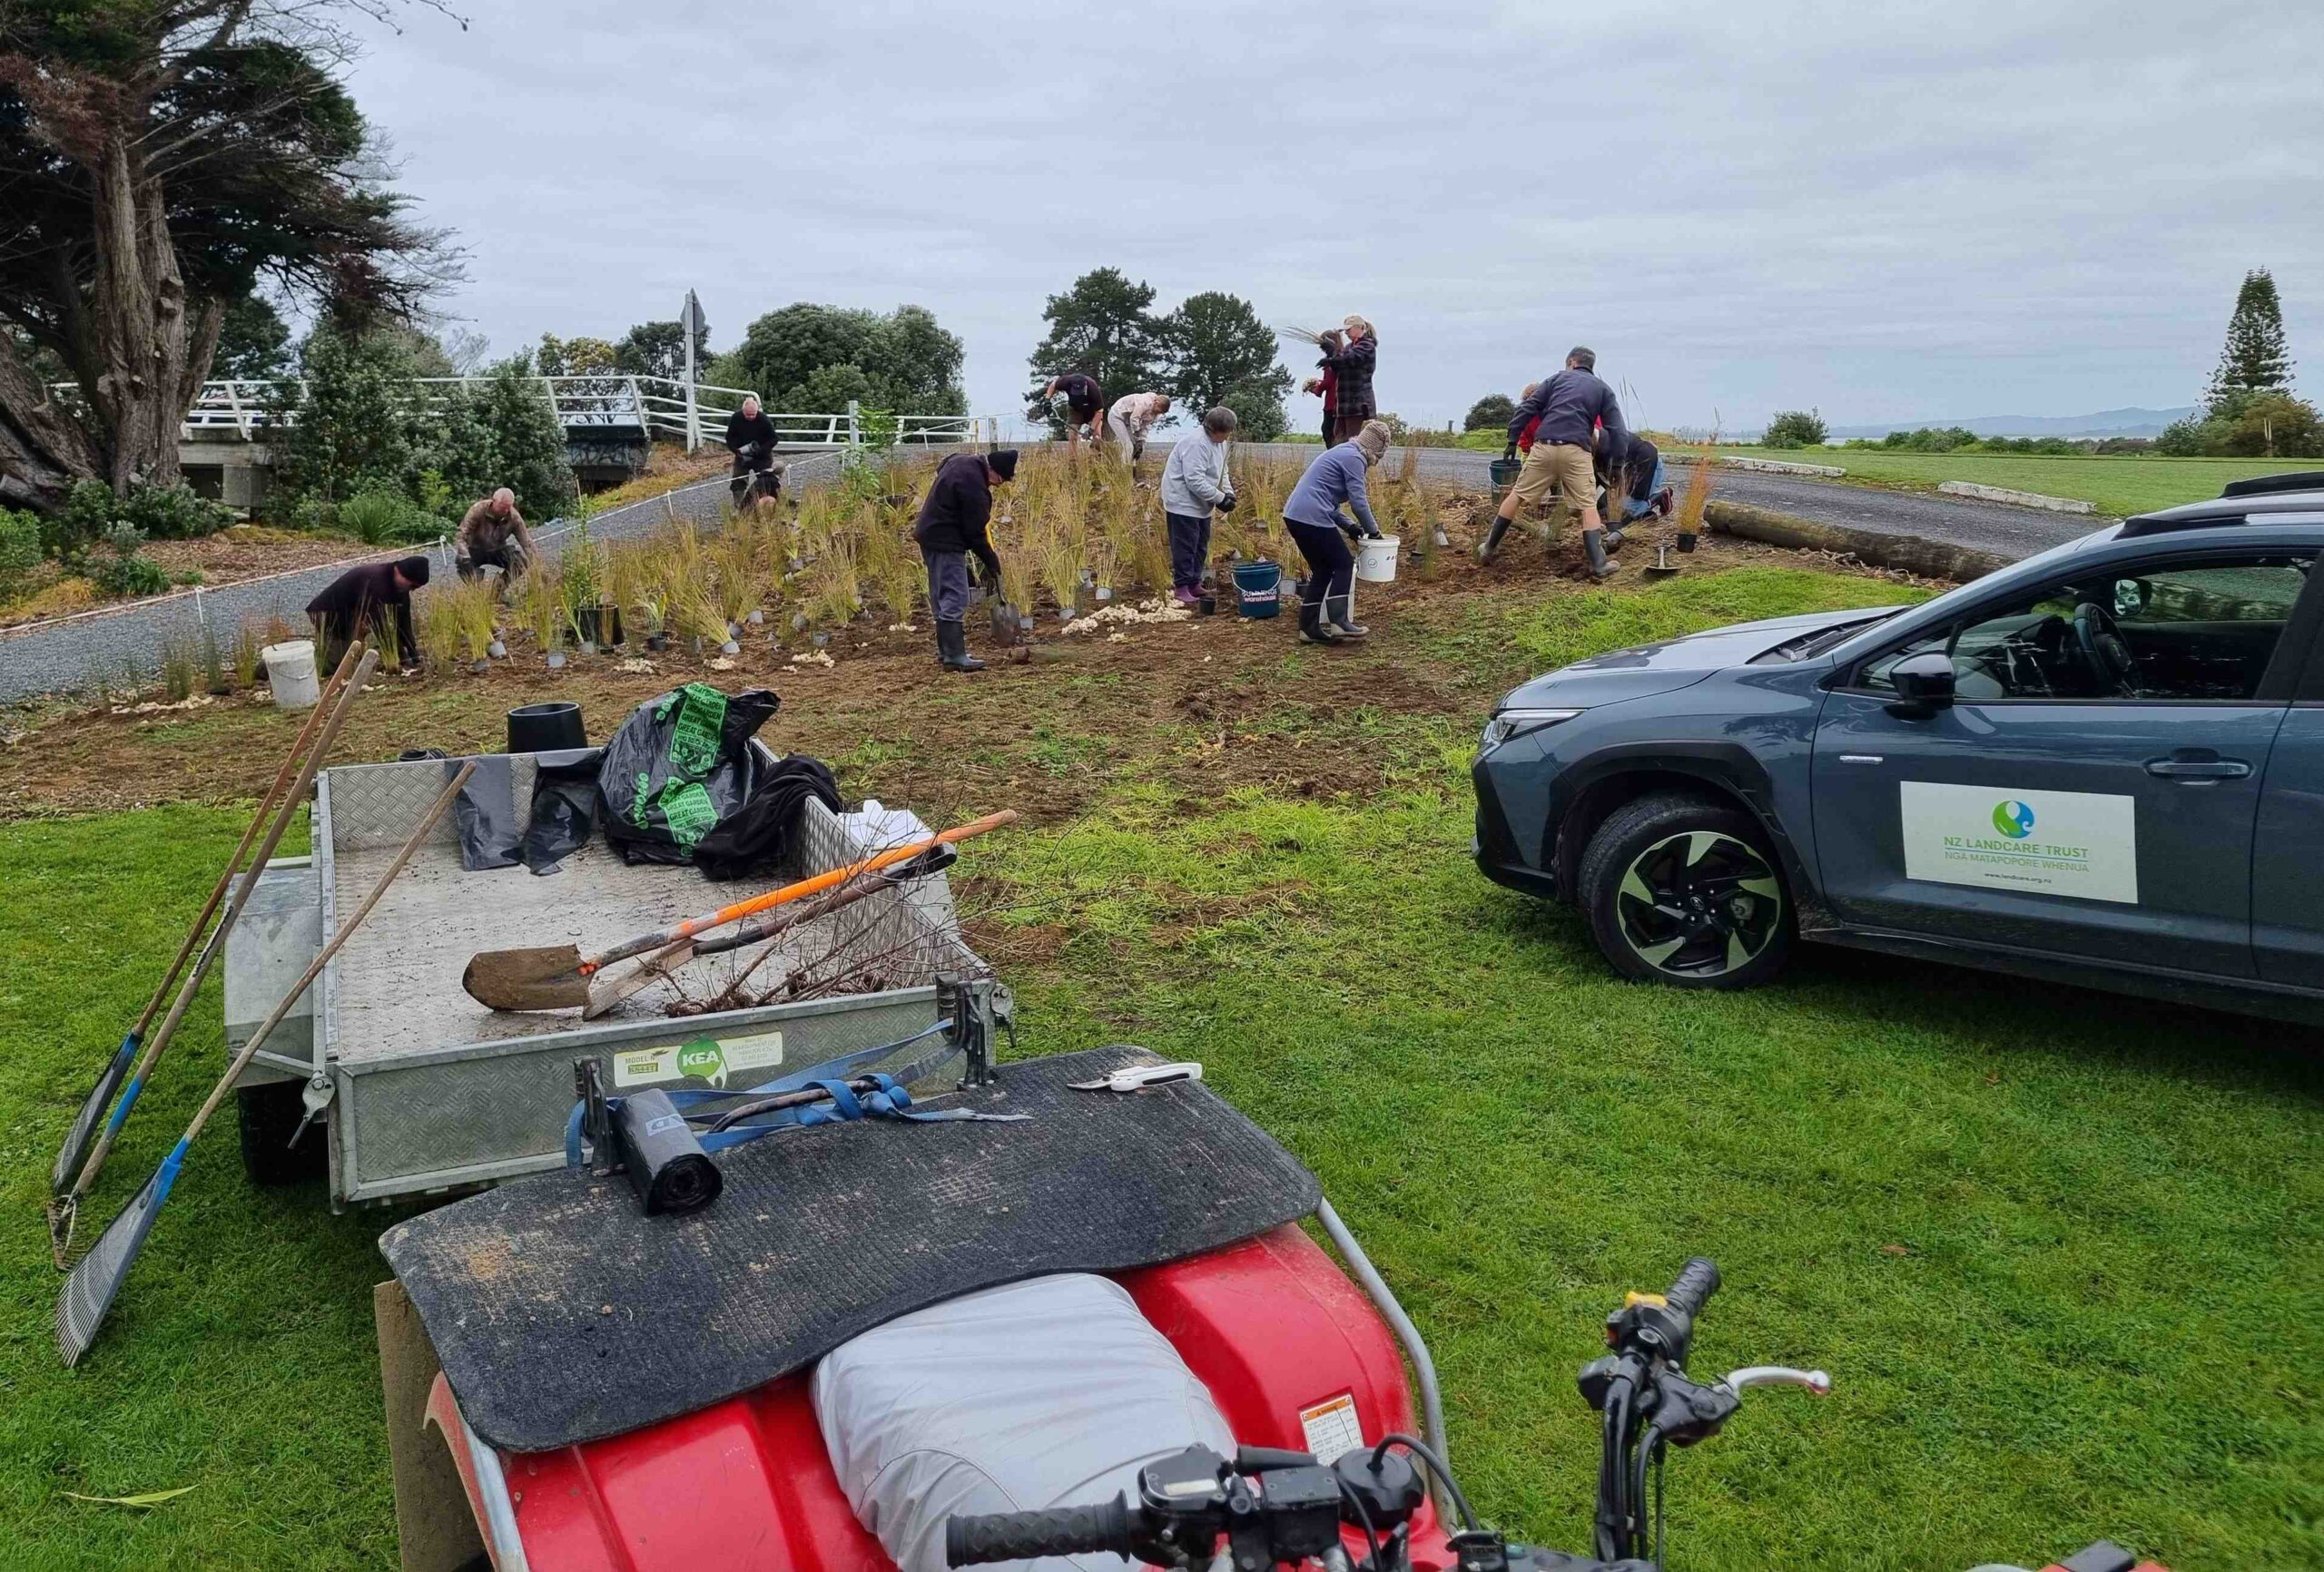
268,1115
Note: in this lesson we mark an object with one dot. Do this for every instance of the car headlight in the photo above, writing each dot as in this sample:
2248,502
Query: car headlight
1504,724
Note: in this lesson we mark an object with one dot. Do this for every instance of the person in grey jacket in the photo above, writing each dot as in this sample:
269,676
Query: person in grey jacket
1312,516
1194,482
1570,404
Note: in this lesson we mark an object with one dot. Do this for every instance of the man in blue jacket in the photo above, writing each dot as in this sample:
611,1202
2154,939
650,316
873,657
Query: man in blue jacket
1572,404
950,529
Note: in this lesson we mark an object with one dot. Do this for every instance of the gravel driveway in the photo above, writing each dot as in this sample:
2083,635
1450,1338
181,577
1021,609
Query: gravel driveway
103,647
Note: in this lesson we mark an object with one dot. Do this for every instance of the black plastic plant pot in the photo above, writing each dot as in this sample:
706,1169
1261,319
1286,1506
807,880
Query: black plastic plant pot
657,643
600,627
549,728
1685,540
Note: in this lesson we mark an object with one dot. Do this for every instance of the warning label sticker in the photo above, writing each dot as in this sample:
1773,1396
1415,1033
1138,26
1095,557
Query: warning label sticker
705,1058
1331,1426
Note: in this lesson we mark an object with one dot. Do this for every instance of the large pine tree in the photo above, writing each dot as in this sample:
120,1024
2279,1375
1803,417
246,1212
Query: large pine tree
1103,326
2254,359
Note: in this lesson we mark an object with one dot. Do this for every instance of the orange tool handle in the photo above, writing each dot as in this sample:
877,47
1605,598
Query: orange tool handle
799,891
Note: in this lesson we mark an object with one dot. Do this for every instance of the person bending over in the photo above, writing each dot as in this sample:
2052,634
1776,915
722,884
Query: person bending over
950,529
1631,469
368,601
750,438
1084,405
1313,515
1131,417
493,534
1570,405
1194,482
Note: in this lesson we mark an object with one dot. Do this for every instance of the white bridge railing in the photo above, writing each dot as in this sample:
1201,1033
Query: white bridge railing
659,406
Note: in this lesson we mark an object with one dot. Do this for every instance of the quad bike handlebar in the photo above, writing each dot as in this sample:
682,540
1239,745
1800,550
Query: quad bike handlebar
1273,1507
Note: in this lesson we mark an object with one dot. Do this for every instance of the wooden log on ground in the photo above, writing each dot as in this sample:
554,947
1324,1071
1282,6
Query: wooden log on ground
1905,553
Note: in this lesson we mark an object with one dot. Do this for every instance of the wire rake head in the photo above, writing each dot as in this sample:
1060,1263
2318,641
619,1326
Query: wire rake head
96,1279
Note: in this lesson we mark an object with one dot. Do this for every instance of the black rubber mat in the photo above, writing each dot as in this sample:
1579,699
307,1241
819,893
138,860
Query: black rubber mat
562,1314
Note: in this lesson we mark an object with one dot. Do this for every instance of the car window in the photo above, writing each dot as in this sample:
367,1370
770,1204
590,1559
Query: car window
2187,630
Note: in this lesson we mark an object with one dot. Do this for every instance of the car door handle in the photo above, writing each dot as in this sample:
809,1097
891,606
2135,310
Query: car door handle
2199,769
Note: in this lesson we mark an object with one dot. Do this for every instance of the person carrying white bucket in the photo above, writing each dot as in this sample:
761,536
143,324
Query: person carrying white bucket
1313,515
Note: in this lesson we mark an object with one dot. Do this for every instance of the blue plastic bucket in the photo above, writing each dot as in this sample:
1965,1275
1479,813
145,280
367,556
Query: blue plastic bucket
1258,589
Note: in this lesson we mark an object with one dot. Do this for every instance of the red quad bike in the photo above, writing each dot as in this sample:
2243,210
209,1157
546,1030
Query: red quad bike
1310,1444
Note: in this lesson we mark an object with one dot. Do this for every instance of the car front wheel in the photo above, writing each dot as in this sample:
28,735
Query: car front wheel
1686,891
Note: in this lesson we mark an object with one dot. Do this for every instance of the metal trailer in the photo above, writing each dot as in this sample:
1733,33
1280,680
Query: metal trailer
417,1089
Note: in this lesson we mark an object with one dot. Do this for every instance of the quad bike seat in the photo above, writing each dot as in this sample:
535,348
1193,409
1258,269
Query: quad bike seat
1049,1392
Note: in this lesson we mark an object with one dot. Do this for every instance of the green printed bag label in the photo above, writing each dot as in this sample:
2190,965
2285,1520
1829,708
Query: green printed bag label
702,720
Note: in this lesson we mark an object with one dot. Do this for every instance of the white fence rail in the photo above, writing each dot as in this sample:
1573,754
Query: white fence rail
660,407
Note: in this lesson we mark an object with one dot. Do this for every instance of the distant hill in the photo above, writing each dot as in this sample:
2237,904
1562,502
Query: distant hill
2105,423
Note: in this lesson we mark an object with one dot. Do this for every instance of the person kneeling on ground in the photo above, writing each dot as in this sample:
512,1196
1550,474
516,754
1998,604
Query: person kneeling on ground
1570,405
750,438
1631,469
1131,417
950,529
360,602
493,534
1314,517
1193,483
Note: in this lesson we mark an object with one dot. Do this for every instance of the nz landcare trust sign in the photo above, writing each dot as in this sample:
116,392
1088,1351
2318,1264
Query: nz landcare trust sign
2080,844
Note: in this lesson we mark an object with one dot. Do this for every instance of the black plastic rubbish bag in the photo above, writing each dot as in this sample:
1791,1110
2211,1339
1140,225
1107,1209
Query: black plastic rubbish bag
756,838
679,766
565,808
484,815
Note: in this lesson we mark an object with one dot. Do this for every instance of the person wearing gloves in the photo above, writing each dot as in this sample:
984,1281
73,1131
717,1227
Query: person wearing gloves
1131,417
1350,366
492,534
950,529
1194,482
1566,411
1084,405
364,602
750,438
1314,517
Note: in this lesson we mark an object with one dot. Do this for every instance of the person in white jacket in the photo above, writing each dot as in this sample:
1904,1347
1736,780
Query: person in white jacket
1132,416
1194,482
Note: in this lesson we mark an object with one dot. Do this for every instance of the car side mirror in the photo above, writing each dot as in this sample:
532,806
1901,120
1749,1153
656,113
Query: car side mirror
1924,684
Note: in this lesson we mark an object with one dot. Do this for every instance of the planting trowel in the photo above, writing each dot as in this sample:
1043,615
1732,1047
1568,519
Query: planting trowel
560,978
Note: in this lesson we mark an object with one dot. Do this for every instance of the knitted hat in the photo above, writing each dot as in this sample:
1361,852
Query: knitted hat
1372,439
414,570
1003,462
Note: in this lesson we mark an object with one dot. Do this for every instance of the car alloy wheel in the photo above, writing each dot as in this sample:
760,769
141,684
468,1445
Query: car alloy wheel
1699,904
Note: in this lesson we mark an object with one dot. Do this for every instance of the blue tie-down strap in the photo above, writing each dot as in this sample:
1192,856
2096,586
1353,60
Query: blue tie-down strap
886,1100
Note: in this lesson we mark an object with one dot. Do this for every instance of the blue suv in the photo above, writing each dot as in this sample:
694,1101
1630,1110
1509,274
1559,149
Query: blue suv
2102,765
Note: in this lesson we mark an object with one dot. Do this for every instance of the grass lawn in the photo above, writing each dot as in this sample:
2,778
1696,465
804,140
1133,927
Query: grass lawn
2117,485
2058,1250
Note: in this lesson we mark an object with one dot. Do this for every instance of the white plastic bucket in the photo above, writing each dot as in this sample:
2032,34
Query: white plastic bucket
291,672
1375,560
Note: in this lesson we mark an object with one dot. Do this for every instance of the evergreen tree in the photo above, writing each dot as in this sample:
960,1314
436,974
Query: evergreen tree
1102,327
2254,359
1493,412
1220,353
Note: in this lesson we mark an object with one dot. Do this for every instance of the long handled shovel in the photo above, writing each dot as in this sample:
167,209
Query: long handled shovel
604,991
97,1278
99,1098
64,1209
559,976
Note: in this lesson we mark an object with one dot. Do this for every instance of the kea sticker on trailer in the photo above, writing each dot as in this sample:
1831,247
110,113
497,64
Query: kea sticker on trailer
705,1058
2080,844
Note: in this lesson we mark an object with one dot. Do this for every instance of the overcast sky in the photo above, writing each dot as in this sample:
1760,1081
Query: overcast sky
1886,211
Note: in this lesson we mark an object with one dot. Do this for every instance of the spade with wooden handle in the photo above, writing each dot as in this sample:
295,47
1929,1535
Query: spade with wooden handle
559,976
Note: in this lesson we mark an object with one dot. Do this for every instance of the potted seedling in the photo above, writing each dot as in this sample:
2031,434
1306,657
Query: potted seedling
653,608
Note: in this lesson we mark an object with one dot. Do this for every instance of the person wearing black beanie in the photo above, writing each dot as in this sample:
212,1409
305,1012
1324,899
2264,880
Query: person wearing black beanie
367,600
951,529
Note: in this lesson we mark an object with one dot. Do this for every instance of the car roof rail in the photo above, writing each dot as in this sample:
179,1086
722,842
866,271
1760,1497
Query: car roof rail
2267,484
